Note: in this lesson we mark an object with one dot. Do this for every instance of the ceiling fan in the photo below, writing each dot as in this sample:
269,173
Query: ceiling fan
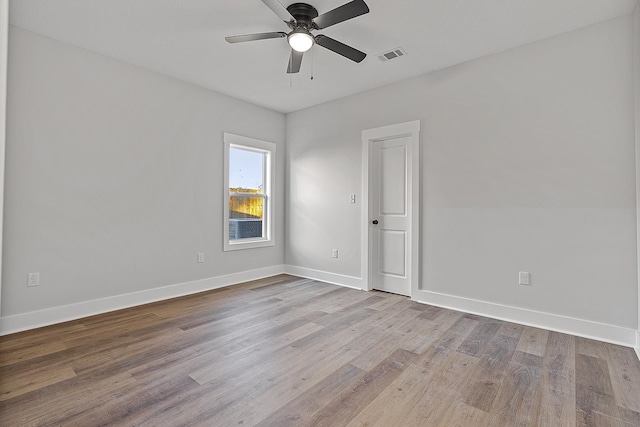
303,18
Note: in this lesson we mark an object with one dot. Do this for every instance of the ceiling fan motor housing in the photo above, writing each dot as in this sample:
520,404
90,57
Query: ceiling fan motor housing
304,15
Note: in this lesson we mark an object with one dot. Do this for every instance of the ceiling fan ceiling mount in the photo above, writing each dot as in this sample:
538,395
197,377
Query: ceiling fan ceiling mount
303,15
302,18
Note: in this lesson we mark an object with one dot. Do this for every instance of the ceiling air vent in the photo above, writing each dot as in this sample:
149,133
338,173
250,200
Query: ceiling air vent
392,54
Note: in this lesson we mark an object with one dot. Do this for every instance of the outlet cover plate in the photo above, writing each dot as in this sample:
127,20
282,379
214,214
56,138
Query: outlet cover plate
33,279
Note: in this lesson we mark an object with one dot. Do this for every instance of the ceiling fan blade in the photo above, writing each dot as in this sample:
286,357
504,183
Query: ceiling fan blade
340,48
295,60
252,37
279,10
346,11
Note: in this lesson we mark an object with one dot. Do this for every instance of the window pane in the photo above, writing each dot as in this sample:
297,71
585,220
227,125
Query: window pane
245,217
246,171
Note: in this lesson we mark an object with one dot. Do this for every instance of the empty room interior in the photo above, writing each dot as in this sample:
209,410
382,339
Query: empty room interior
335,213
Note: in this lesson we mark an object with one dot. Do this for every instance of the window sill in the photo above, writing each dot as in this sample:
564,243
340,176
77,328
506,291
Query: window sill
248,244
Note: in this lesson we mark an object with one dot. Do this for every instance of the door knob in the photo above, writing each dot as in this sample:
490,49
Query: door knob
374,222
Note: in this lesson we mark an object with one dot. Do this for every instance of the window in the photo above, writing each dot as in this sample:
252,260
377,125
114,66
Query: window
248,181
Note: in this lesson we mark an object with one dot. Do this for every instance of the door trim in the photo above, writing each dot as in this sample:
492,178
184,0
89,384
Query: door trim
369,136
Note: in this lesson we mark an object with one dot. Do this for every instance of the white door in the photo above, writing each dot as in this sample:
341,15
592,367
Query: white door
392,220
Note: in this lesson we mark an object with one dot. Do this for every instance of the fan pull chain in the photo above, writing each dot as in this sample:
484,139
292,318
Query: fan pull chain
312,64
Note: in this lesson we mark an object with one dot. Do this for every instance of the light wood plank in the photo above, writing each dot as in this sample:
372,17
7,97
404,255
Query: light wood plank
533,341
300,410
518,402
446,389
558,391
480,337
34,380
348,403
594,396
483,388
625,377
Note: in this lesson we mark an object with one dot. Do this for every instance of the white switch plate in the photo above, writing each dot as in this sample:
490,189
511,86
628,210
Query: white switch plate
524,278
33,279
352,198
200,257
335,253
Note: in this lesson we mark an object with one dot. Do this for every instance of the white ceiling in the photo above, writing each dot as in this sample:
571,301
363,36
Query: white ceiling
185,39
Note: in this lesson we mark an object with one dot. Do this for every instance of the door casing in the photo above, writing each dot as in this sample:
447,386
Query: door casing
369,136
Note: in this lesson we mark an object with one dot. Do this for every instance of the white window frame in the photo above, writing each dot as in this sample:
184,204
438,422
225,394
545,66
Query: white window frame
269,150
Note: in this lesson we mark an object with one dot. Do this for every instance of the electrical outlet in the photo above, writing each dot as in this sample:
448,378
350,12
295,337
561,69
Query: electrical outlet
352,198
335,253
524,278
200,257
33,279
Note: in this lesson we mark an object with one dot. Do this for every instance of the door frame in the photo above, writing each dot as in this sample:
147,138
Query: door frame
369,136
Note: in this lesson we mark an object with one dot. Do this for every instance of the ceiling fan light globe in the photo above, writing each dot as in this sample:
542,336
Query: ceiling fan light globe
300,41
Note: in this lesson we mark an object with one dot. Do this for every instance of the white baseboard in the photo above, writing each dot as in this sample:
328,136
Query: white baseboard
324,276
638,343
569,325
50,316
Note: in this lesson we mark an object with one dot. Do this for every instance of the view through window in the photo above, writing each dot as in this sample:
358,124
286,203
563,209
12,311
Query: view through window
246,193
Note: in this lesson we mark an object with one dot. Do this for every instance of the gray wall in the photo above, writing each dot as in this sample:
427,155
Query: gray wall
527,165
114,177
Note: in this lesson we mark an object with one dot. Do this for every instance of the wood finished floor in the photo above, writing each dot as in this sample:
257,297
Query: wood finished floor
286,351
